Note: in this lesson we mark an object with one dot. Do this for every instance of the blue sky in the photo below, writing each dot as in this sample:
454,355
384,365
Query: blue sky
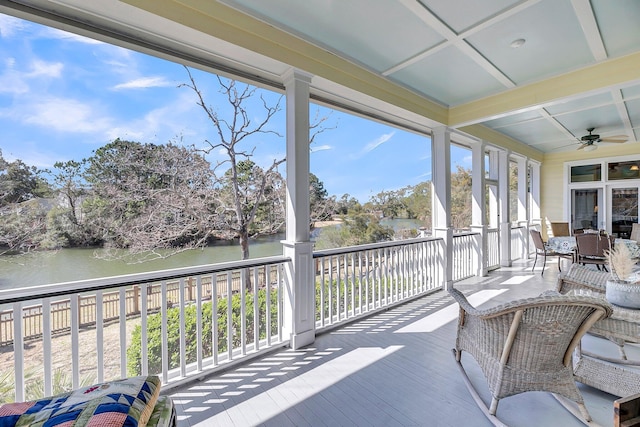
63,96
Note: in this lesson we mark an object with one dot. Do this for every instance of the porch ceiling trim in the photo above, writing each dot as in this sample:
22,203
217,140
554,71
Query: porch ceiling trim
223,22
496,138
597,78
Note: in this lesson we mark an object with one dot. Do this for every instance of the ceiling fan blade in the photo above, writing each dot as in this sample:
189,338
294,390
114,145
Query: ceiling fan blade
615,138
561,147
582,146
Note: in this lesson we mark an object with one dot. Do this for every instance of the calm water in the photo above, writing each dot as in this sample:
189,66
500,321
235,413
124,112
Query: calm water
67,265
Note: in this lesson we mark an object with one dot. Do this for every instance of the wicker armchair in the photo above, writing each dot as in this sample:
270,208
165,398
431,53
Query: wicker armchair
526,345
581,278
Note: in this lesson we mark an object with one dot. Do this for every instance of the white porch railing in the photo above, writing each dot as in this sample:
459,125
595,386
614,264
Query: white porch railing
358,280
493,249
180,327
184,323
464,252
517,241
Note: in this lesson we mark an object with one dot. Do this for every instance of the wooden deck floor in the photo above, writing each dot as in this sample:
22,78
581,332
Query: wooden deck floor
392,369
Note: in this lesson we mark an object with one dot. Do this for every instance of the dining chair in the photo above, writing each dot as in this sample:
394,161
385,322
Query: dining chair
543,250
560,228
635,232
591,248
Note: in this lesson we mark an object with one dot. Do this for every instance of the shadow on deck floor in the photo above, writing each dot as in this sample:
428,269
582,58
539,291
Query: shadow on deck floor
394,368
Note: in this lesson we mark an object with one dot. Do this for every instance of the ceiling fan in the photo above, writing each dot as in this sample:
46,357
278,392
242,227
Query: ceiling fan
587,141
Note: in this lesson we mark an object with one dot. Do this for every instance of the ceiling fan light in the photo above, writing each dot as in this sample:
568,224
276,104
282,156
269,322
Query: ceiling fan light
591,148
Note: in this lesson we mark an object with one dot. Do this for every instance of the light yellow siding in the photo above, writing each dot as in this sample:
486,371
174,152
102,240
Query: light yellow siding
552,181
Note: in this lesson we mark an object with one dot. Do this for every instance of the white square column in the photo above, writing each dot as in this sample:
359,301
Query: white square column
478,208
523,205
441,199
535,221
503,208
534,203
299,297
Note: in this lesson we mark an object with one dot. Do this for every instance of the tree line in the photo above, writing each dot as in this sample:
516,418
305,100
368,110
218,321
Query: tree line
146,198
139,197
141,201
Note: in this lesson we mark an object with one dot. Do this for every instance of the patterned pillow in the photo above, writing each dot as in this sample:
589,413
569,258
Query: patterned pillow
124,403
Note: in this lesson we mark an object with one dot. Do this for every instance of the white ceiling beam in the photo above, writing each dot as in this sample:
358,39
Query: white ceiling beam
451,39
589,26
622,111
504,14
553,121
417,58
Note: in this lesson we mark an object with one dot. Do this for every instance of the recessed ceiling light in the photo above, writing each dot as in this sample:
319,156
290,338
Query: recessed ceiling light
517,43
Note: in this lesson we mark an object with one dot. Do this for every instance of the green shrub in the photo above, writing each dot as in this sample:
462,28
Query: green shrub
375,288
154,331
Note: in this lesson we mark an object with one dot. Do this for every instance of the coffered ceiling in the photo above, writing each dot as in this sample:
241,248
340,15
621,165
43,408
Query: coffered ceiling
539,72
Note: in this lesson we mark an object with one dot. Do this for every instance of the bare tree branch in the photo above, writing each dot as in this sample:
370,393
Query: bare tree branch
256,194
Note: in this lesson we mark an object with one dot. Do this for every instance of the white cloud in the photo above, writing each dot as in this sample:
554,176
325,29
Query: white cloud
375,144
144,82
48,69
10,26
36,158
151,128
125,132
54,33
90,119
174,119
378,142
321,148
16,81
125,64
423,176
62,115
12,81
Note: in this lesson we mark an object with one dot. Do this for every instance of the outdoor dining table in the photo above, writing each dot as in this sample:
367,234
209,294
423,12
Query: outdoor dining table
567,245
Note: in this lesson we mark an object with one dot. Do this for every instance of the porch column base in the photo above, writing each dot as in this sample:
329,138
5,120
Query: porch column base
299,296
480,261
524,225
302,339
446,266
505,244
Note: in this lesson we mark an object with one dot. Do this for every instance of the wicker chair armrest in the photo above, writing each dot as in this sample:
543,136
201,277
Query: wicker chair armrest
580,277
464,303
523,304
